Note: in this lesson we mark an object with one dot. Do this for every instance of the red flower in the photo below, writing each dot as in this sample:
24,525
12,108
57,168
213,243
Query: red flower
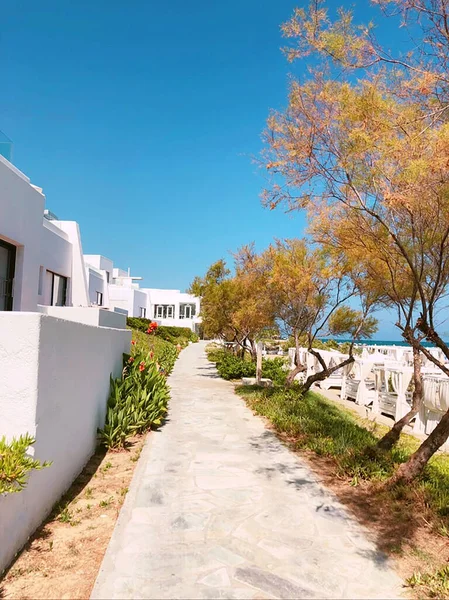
142,366
151,354
133,342
131,359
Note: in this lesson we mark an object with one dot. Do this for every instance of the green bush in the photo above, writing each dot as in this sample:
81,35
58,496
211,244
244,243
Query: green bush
174,335
275,369
164,353
176,332
15,465
137,401
137,323
231,366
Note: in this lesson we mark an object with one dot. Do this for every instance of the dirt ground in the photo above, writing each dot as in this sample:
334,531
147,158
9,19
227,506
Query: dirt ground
63,557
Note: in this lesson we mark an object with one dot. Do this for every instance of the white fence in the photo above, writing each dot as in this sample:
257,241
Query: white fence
54,383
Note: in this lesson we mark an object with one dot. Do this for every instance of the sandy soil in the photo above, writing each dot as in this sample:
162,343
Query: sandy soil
63,557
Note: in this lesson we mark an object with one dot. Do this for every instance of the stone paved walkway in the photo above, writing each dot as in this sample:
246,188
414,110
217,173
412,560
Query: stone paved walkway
219,508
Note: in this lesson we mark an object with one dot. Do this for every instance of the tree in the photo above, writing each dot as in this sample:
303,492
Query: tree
386,274
374,147
308,292
235,308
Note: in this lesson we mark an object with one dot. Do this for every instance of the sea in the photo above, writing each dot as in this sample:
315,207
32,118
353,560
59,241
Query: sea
378,342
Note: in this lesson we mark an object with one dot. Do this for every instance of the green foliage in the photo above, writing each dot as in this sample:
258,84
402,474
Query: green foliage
137,401
348,321
231,366
434,585
164,353
174,335
330,430
15,465
275,369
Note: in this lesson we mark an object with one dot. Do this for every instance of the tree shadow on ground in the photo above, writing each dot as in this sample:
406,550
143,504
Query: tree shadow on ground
210,372
340,451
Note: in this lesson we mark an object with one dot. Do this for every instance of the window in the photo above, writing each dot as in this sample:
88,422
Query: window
7,266
108,275
143,312
164,311
40,287
99,299
58,289
187,311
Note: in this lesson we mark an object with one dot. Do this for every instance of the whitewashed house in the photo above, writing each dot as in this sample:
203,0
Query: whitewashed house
58,351
117,289
43,268
173,307
41,259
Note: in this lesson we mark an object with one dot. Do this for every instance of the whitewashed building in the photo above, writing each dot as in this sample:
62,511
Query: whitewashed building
117,289
41,260
173,307
58,352
43,268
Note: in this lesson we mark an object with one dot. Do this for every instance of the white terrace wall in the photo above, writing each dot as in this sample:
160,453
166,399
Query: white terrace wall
54,383
89,315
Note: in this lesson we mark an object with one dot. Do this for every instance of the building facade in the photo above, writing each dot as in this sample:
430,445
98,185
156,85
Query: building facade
42,264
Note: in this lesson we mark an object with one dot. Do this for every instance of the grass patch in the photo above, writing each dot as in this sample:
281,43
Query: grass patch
411,522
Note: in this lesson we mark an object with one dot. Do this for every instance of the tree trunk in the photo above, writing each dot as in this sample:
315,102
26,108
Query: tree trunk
391,437
324,374
299,367
418,460
291,376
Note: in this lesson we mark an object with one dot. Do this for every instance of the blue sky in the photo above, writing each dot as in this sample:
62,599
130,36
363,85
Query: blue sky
139,120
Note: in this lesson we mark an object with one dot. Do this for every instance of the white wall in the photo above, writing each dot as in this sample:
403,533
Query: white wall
55,256
90,315
130,299
52,388
101,263
80,295
21,213
174,297
96,282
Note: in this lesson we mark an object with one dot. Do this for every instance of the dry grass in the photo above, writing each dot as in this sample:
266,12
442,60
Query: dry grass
63,557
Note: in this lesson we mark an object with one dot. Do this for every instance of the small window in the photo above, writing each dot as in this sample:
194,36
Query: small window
143,312
58,290
40,286
107,276
164,311
99,299
187,311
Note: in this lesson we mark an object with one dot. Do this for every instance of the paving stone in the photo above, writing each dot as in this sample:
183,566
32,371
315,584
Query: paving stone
219,508
276,586
218,579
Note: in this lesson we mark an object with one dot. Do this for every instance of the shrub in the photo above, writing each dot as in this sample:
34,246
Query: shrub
231,366
137,401
15,465
176,335
275,369
164,352
168,333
